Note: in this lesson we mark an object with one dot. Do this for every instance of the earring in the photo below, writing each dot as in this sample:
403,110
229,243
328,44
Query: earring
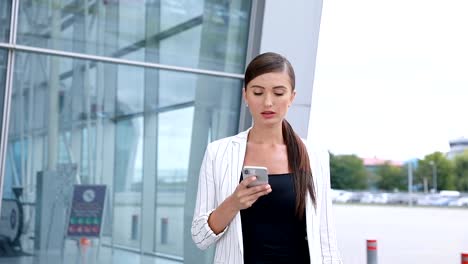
246,105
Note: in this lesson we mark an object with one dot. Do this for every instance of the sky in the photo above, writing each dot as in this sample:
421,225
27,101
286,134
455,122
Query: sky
391,77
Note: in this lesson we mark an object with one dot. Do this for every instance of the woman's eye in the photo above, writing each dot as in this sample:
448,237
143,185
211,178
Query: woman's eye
279,94
257,93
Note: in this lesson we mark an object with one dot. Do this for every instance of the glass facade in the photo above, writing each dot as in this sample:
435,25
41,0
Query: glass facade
5,15
166,31
139,130
3,62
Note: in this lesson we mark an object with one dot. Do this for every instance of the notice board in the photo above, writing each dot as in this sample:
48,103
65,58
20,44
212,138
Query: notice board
86,211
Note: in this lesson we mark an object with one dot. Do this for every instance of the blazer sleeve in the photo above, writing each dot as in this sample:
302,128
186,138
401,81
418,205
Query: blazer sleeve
329,247
206,203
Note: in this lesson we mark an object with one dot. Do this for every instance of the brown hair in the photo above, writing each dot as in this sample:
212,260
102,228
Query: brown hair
298,159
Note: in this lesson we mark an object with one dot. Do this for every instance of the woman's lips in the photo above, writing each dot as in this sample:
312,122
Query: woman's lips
268,114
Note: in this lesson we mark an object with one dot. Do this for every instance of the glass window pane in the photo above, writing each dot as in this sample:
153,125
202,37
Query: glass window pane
205,34
122,126
173,158
3,62
87,134
5,15
206,110
128,182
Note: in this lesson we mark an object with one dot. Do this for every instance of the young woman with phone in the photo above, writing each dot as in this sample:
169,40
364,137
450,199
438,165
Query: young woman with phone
288,219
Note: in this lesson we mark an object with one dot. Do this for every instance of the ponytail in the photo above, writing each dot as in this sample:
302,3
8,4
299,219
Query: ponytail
299,164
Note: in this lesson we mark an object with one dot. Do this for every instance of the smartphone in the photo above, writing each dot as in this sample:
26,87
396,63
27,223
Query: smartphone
260,172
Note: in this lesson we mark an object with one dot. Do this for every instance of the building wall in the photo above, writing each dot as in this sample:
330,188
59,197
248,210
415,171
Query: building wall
457,146
292,28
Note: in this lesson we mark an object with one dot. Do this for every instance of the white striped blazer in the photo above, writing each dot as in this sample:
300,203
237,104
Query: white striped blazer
219,177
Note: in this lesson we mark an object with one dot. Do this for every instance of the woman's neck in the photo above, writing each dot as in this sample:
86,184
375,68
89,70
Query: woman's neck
266,135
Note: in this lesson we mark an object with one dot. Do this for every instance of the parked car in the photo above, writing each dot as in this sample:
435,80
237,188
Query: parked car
381,198
461,201
444,200
344,197
335,193
429,199
367,198
401,198
355,197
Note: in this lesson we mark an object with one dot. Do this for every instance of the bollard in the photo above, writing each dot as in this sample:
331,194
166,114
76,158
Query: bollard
371,251
164,229
134,231
464,258
84,244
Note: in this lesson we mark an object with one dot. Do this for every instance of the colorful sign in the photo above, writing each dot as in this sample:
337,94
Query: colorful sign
86,211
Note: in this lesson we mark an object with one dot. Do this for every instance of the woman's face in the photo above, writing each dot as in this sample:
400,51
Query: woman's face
268,97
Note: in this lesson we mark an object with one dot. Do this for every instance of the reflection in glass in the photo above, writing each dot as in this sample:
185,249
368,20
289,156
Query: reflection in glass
128,181
3,61
204,34
7,182
5,14
173,158
122,126
131,92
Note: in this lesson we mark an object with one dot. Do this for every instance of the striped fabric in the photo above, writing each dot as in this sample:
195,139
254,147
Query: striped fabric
219,177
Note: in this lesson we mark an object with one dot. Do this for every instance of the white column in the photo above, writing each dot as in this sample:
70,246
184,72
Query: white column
150,133
53,90
291,28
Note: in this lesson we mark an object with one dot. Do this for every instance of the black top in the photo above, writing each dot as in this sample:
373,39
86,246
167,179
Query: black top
271,231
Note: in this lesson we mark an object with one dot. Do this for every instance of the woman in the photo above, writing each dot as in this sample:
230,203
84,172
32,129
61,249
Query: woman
287,220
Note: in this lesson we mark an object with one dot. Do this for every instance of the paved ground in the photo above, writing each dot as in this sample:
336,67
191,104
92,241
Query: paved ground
106,256
404,235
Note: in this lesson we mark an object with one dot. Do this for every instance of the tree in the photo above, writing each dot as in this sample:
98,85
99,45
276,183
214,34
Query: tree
443,168
461,171
390,177
347,172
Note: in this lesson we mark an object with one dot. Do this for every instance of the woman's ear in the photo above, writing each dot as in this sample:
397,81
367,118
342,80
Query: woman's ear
293,95
244,95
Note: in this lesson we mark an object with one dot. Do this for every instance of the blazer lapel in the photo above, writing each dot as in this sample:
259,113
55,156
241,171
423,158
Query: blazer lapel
239,146
311,220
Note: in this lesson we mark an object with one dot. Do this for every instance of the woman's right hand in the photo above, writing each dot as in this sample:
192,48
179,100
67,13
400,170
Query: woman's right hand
244,197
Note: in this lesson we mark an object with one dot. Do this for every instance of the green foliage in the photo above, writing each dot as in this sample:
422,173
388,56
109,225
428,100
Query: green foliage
461,171
436,164
347,172
391,177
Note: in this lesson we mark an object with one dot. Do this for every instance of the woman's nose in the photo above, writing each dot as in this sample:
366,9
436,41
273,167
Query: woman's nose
268,101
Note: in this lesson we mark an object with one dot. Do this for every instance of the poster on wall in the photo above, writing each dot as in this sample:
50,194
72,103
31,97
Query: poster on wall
86,211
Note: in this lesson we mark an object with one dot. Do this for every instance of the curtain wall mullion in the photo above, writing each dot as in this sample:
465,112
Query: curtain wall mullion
14,21
6,117
7,95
